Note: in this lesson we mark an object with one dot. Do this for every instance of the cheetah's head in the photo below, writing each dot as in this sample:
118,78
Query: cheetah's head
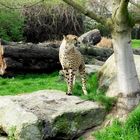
71,41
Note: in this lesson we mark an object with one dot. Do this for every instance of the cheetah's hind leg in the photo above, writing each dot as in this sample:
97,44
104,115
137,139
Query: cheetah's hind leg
70,79
68,76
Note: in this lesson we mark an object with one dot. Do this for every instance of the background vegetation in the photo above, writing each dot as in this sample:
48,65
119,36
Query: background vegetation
38,21
43,22
11,25
136,43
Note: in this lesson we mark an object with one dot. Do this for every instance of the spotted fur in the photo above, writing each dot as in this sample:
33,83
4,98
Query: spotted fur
72,61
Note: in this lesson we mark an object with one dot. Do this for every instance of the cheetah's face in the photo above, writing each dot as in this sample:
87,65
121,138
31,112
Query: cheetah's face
71,41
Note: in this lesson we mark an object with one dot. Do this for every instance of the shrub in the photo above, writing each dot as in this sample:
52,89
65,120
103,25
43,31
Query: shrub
90,24
11,25
51,21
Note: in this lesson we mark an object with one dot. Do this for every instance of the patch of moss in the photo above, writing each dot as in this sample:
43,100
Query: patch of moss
11,134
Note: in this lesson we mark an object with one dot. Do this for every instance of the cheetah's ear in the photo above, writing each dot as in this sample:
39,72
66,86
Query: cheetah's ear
76,38
64,36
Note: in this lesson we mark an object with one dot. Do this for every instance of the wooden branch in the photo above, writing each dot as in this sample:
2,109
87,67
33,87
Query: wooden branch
122,15
86,12
123,7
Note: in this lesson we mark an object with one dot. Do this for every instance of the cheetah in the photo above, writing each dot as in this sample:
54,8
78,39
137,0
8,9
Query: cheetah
72,61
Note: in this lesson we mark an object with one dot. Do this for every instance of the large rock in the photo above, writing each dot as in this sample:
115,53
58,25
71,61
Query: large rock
108,75
46,115
91,37
90,69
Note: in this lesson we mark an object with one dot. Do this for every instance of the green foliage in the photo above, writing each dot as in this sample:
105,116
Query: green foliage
130,130
104,30
133,121
92,24
135,43
11,24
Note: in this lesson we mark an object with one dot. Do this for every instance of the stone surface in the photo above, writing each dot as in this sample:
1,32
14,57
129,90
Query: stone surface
92,69
48,115
90,38
3,138
108,75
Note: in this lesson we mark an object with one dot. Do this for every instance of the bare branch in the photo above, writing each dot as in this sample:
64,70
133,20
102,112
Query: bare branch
100,7
124,5
122,11
86,12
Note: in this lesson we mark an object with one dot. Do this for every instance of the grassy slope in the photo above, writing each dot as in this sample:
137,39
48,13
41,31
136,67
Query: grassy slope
130,130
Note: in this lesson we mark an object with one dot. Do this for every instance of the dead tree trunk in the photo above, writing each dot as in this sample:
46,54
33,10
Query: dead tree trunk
28,58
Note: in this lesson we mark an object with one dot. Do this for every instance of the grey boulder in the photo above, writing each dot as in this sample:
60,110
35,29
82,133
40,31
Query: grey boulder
46,115
108,75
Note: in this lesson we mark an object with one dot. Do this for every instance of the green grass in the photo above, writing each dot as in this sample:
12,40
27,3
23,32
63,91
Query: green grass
29,83
33,82
135,43
130,130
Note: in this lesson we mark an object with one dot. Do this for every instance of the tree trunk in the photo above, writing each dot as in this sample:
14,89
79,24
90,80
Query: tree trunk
23,58
129,86
126,71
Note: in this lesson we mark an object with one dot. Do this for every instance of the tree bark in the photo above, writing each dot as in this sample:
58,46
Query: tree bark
126,71
129,86
23,58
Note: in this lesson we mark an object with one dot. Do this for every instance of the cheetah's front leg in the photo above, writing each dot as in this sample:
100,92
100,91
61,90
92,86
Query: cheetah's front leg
70,82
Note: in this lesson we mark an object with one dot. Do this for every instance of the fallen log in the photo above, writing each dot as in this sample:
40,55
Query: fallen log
42,57
24,58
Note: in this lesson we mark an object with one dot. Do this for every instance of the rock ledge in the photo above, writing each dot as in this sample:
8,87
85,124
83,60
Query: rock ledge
47,114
